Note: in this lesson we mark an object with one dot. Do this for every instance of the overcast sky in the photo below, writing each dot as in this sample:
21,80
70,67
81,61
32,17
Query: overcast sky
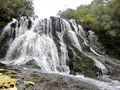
46,8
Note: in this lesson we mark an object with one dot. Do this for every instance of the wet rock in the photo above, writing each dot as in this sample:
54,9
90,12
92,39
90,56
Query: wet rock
2,65
29,24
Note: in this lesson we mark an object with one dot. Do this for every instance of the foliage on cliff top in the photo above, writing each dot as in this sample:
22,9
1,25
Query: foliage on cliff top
14,9
103,17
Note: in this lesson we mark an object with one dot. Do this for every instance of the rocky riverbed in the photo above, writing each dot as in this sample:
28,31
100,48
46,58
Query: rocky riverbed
29,79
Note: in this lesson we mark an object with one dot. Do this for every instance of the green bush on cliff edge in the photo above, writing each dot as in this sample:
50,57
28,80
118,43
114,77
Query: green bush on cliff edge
103,17
14,9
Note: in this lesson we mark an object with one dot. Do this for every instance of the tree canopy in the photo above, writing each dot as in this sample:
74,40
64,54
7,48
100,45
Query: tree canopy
103,17
14,9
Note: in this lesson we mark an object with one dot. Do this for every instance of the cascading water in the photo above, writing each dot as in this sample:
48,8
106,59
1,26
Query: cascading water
42,41
53,45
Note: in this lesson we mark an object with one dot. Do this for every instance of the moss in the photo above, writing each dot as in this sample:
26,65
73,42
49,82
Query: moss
29,82
1,69
6,71
32,64
80,63
6,82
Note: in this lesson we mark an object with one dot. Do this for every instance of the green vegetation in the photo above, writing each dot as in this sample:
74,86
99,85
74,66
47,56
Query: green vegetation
78,62
14,9
103,17
10,80
81,64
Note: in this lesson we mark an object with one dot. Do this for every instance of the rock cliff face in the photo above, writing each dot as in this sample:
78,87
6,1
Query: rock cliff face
54,45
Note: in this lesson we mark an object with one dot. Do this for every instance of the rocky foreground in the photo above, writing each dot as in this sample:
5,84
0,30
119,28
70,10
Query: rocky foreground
17,78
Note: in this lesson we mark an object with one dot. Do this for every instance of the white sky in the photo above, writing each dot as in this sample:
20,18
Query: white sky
46,8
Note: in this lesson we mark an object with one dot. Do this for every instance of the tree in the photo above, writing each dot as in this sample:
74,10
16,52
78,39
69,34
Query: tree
100,2
68,14
103,17
14,9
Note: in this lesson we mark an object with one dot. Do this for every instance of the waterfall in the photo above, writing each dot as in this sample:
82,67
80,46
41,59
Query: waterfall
51,44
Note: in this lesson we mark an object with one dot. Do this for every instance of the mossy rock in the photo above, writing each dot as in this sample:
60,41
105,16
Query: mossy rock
10,80
6,82
79,63
29,83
